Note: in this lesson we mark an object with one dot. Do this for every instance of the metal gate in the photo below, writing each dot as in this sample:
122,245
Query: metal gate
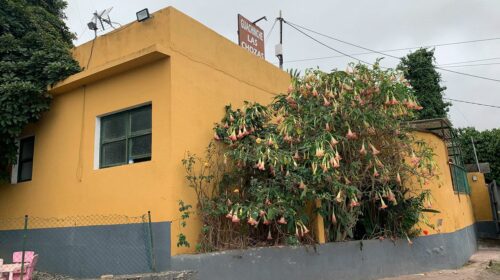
494,190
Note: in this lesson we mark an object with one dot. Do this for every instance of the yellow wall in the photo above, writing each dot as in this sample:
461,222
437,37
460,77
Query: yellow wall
455,209
188,90
480,197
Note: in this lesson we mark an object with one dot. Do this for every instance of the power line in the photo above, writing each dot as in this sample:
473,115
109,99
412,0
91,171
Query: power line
374,51
468,61
469,65
271,31
473,103
331,48
387,50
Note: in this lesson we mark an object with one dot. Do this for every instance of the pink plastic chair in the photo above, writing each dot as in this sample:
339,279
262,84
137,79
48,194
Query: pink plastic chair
30,259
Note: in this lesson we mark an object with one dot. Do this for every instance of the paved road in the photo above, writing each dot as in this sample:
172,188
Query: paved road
483,265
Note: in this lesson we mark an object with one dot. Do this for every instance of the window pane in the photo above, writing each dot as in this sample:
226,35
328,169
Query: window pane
113,126
140,120
27,146
114,153
25,171
140,146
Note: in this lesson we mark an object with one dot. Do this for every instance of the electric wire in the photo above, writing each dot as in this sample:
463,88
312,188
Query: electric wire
473,103
91,49
469,61
296,27
384,52
271,31
468,65
455,100
325,45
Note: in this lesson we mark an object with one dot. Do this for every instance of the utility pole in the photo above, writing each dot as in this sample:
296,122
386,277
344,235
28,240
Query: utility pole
279,47
475,154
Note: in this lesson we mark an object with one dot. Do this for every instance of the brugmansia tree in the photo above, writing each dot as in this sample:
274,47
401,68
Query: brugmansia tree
34,53
333,145
418,68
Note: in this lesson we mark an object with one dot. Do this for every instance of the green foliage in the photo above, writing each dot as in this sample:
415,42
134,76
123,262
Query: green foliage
487,146
334,139
419,70
34,53
185,214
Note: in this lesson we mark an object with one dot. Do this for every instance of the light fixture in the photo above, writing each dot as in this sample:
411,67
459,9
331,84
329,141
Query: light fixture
142,15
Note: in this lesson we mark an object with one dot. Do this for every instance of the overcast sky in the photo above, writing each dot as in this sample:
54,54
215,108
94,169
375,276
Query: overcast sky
380,25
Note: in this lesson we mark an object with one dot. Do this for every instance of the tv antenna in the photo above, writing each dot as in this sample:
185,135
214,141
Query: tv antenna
100,20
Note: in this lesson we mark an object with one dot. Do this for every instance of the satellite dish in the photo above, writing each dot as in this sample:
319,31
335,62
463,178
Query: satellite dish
100,20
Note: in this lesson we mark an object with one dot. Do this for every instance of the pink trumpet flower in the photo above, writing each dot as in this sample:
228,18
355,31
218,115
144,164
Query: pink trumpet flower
216,136
354,202
233,137
339,197
320,152
351,135
261,165
262,213
337,156
290,88
226,125
374,150
336,163
296,156
240,134
229,215
282,221
315,92
333,141
326,102
327,127
269,236
375,172
235,219
390,196
362,151
383,206
334,219
398,178
394,101
305,230
302,185
252,221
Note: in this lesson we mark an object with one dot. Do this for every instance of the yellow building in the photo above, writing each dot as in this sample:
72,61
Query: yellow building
116,133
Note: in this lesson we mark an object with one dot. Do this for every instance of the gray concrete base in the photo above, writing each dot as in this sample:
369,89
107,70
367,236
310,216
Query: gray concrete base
487,229
370,259
91,251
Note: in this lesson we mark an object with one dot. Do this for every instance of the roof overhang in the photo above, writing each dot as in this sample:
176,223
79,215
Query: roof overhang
141,57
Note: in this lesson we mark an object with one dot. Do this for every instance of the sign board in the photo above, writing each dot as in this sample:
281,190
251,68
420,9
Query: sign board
250,36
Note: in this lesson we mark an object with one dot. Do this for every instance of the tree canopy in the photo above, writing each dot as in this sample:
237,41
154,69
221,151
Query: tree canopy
487,144
418,68
34,53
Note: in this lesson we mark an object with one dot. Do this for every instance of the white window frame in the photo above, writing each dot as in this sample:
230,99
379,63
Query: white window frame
15,168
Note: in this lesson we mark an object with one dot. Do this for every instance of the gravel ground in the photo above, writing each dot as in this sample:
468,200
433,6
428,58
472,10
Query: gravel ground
483,265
